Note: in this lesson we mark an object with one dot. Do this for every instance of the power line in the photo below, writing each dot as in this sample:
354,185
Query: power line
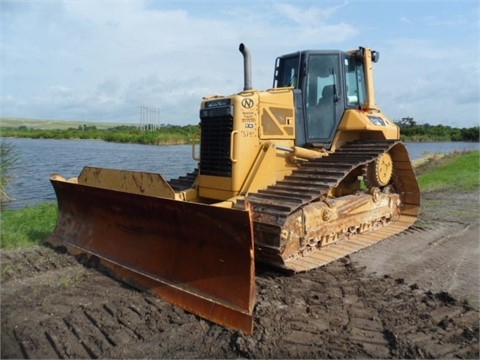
149,118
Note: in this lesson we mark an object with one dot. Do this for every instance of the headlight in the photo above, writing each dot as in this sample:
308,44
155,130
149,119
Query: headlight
217,103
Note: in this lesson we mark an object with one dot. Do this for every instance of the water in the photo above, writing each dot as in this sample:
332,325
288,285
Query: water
417,150
38,158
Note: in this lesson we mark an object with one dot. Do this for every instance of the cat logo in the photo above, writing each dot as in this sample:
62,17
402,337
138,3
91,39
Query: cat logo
247,103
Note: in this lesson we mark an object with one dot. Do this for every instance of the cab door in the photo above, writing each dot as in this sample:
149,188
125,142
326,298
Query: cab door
324,104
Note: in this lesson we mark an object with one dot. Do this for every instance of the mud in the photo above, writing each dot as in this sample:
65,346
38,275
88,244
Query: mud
414,295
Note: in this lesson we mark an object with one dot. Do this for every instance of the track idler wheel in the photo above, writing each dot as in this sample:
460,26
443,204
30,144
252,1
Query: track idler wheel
379,172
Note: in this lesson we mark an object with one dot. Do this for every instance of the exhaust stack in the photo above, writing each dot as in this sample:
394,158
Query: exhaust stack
247,67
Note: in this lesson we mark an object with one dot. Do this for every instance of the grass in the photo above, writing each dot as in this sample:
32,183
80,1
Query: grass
27,227
455,171
45,124
32,225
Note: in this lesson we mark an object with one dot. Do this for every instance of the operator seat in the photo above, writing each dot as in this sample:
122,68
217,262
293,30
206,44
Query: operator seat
328,94
326,109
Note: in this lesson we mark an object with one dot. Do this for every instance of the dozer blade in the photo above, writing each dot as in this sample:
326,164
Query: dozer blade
195,256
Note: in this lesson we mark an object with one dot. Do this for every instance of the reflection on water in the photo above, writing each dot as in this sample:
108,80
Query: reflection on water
41,157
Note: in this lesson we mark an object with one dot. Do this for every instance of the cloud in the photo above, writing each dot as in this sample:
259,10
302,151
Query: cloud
102,60
405,20
74,56
417,78
108,87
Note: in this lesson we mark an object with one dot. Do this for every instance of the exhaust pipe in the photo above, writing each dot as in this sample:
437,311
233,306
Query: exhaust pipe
247,67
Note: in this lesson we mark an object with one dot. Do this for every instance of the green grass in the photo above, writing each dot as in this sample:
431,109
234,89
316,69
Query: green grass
27,227
456,171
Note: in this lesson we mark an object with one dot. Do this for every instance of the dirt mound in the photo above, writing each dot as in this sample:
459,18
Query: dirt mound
402,298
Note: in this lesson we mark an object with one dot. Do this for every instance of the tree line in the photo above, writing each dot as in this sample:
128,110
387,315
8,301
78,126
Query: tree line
165,135
411,131
175,134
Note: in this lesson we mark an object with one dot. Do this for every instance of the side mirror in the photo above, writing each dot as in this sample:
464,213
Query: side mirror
360,53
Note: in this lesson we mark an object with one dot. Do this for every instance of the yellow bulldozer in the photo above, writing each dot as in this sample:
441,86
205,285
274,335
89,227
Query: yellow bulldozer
295,176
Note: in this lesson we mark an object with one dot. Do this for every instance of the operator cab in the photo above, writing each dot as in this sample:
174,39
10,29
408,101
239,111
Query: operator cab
326,83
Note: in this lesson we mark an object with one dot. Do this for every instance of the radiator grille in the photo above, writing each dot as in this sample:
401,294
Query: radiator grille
215,145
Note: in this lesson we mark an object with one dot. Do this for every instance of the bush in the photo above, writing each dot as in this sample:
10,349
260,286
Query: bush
8,159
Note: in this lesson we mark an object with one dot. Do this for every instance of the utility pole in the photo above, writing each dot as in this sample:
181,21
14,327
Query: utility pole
149,118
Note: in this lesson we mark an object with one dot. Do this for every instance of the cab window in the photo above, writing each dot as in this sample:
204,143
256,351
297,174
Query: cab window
287,72
355,78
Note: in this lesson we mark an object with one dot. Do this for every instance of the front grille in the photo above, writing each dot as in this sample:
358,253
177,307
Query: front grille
215,143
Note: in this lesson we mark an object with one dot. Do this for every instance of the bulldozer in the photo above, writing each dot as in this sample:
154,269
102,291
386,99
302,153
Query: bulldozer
295,176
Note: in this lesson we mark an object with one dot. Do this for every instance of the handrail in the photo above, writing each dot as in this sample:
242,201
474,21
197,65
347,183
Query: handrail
194,143
232,135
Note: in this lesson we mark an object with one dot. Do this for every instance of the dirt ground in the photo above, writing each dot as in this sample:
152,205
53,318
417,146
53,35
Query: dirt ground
414,295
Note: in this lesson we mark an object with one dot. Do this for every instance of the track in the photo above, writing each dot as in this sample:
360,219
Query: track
183,182
313,182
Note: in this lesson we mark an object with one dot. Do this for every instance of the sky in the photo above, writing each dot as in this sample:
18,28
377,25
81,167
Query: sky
102,61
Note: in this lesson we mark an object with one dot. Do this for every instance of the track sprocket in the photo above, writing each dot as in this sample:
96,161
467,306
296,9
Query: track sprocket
379,172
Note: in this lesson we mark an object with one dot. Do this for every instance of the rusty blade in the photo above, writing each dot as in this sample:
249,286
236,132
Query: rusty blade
195,256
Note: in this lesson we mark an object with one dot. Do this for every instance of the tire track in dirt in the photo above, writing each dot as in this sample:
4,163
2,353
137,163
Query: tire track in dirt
20,264
441,257
336,311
